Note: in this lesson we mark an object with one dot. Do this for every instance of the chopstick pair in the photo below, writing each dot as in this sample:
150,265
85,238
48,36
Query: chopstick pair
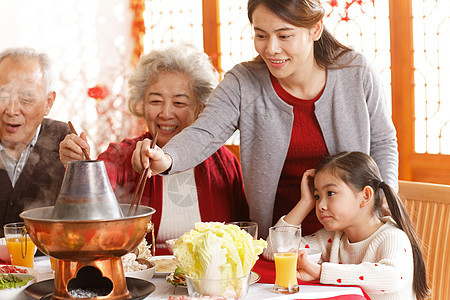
141,184
74,131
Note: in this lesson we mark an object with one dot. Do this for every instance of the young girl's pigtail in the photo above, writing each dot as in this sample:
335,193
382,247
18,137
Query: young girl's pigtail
401,217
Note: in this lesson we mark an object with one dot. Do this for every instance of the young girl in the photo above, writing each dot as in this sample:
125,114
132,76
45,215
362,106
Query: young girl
382,255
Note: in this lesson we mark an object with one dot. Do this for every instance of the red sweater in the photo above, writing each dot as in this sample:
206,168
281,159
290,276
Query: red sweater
306,150
219,183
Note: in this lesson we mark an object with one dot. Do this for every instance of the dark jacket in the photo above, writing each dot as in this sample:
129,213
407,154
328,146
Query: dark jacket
41,179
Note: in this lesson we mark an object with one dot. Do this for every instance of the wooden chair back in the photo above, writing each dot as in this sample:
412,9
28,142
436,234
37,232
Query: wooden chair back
429,208
235,150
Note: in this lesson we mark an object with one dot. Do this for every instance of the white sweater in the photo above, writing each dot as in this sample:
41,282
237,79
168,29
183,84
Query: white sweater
382,264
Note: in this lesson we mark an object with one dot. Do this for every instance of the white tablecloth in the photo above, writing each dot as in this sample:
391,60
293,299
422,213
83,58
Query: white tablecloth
257,291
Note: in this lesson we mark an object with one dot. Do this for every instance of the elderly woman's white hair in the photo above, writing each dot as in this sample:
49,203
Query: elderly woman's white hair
184,59
20,53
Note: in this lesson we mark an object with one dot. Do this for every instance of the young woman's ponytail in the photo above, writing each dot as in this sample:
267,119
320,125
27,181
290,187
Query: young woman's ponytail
401,217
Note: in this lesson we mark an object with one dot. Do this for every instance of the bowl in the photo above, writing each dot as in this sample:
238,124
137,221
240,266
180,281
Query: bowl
4,254
169,245
18,293
313,255
146,274
234,288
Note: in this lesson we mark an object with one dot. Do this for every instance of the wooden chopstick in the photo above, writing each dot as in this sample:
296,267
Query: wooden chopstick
74,131
141,184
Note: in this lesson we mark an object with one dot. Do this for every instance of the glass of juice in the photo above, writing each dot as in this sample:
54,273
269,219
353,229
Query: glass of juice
285,241
20,247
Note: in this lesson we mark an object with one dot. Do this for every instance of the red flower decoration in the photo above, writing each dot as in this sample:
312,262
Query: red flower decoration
98,92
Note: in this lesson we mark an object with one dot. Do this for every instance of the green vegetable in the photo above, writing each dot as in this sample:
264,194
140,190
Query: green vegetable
214,250
177,277
10,281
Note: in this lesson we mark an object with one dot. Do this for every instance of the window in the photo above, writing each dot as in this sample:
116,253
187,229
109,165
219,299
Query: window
413,65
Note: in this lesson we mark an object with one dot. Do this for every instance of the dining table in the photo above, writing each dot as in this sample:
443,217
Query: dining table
261,289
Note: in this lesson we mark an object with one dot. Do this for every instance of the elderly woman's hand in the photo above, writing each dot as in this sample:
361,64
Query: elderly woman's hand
71,148
159,163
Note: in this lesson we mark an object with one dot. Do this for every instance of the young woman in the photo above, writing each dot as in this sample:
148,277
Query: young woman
380,254
306,96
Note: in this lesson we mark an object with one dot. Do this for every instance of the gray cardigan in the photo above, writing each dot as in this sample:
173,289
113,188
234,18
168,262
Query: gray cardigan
352,114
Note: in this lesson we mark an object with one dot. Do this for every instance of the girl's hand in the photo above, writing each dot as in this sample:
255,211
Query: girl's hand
71,148
307,188
306,270
307,201
144,157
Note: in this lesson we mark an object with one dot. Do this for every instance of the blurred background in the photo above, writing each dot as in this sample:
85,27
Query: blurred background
94,44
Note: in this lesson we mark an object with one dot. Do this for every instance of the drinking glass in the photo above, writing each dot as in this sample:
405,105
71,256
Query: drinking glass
285,241
21,248
250,227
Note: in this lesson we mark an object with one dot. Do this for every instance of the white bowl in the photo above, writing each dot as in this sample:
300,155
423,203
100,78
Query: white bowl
4,254
18,293
169,245
146,274
313,255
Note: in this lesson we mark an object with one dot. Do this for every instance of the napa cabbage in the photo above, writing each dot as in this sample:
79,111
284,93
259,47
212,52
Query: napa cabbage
214,250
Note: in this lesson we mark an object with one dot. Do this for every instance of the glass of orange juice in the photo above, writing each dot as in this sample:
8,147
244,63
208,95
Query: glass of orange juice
285,241
20,247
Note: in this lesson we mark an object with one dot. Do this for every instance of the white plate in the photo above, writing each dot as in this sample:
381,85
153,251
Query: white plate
166,258
254,277
17,293
21,270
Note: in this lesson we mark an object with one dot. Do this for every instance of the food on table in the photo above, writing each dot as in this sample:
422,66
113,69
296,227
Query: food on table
139,259
10,281
195,298
131,264
12,269
214,250
177,277
165,265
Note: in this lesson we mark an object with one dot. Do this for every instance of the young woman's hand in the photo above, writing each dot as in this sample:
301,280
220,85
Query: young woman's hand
307,201
306,270
144,157
71,148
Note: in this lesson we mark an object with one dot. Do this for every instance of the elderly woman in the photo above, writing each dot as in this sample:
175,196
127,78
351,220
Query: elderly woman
169,89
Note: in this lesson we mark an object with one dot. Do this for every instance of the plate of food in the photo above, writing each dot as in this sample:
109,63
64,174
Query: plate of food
165,264
18,269
14,280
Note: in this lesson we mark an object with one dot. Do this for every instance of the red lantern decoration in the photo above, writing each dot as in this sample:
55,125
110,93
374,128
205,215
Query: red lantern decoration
98,92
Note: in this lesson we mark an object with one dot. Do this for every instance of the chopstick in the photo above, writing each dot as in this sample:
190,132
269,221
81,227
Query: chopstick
141,184
74,131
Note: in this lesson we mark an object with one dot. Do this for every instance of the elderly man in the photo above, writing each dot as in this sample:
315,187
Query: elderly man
30,170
